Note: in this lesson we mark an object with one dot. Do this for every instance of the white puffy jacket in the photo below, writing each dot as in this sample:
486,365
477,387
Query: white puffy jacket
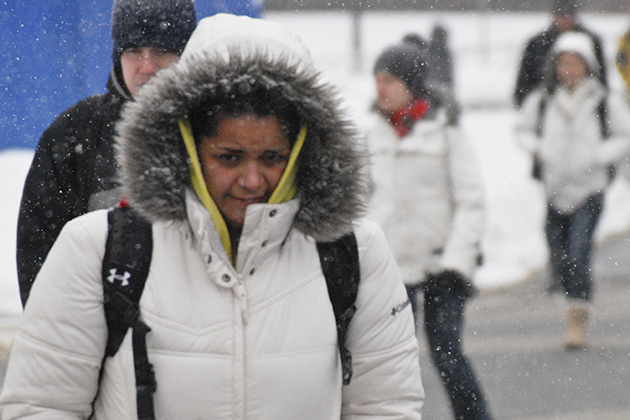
575,157
253,342
429,197
258,342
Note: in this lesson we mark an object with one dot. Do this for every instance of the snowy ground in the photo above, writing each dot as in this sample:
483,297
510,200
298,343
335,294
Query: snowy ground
487,49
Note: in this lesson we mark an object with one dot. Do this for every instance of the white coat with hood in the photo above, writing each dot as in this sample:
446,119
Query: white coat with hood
253,342
429,198
574,156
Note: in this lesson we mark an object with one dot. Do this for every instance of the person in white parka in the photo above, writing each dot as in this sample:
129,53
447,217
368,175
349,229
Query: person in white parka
576,131
241,322
430,202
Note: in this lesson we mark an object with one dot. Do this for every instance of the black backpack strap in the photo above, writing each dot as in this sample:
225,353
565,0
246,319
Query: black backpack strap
536,163
604,124
542,106
602,113
340,265
125,270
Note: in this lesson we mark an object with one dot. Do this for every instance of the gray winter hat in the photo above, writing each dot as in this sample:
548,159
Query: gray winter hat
407,62
163,24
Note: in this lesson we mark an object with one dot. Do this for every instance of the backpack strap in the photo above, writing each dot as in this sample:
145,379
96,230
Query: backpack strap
536,162
542,106
604,124
125,269
340,265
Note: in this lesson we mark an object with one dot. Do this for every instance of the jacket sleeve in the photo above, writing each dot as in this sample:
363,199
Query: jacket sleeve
54,366
463,247
53,193
526,122
386,383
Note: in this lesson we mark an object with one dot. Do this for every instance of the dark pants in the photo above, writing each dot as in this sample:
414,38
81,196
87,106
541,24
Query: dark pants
570,240
443,322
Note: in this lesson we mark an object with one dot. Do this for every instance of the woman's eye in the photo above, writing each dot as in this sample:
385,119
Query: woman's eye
274,158
228,158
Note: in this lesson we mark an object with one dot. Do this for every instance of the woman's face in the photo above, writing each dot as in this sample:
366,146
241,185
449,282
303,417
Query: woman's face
391,93
570,70
243,163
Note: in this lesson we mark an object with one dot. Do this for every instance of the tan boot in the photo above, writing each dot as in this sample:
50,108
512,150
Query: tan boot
577,322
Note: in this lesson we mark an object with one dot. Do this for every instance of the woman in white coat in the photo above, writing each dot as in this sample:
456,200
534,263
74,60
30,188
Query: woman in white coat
429,200
241,159
576,132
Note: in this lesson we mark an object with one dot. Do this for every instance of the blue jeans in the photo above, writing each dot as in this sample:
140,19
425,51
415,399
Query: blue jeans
570,239
443,322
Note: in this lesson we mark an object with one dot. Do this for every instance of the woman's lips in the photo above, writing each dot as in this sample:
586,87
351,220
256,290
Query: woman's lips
247,201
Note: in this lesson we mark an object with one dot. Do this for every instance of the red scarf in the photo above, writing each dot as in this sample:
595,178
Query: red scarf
404,119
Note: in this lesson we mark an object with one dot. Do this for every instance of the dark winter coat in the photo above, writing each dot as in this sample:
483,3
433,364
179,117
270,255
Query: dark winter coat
534,59
73,172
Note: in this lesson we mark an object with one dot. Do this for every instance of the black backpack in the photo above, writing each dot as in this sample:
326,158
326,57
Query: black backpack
125,268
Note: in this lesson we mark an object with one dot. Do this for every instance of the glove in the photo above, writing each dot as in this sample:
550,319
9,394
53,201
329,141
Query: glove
449,281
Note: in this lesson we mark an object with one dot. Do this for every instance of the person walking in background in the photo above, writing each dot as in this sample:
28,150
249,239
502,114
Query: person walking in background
439,59
430,202
439,71
243,160
530,75
74,170
575,130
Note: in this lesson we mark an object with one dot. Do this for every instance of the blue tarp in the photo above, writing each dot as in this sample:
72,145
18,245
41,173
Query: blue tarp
55,53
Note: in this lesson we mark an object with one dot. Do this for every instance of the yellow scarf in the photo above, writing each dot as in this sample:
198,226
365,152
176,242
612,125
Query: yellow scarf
285,190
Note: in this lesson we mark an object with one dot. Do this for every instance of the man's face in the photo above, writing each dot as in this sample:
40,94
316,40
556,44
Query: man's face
139,65
563,22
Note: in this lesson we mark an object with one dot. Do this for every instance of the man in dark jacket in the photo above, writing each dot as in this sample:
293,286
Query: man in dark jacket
74,167
533,62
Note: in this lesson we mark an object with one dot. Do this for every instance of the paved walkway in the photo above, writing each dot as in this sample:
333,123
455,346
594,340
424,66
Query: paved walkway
514,338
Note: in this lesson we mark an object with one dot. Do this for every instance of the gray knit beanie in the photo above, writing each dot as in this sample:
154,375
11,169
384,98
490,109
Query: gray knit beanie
163,24
406,61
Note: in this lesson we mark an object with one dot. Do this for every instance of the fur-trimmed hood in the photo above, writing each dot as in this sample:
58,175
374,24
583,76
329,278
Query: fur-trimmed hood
227,53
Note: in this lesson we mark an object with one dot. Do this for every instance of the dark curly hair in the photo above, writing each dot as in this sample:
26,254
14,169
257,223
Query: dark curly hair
257,100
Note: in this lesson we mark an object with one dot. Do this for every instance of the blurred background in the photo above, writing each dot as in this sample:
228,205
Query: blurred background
55,53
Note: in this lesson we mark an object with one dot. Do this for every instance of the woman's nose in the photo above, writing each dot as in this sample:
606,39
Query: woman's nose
251,178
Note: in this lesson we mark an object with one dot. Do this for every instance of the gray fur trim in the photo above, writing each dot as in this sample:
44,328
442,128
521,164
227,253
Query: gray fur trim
333,181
